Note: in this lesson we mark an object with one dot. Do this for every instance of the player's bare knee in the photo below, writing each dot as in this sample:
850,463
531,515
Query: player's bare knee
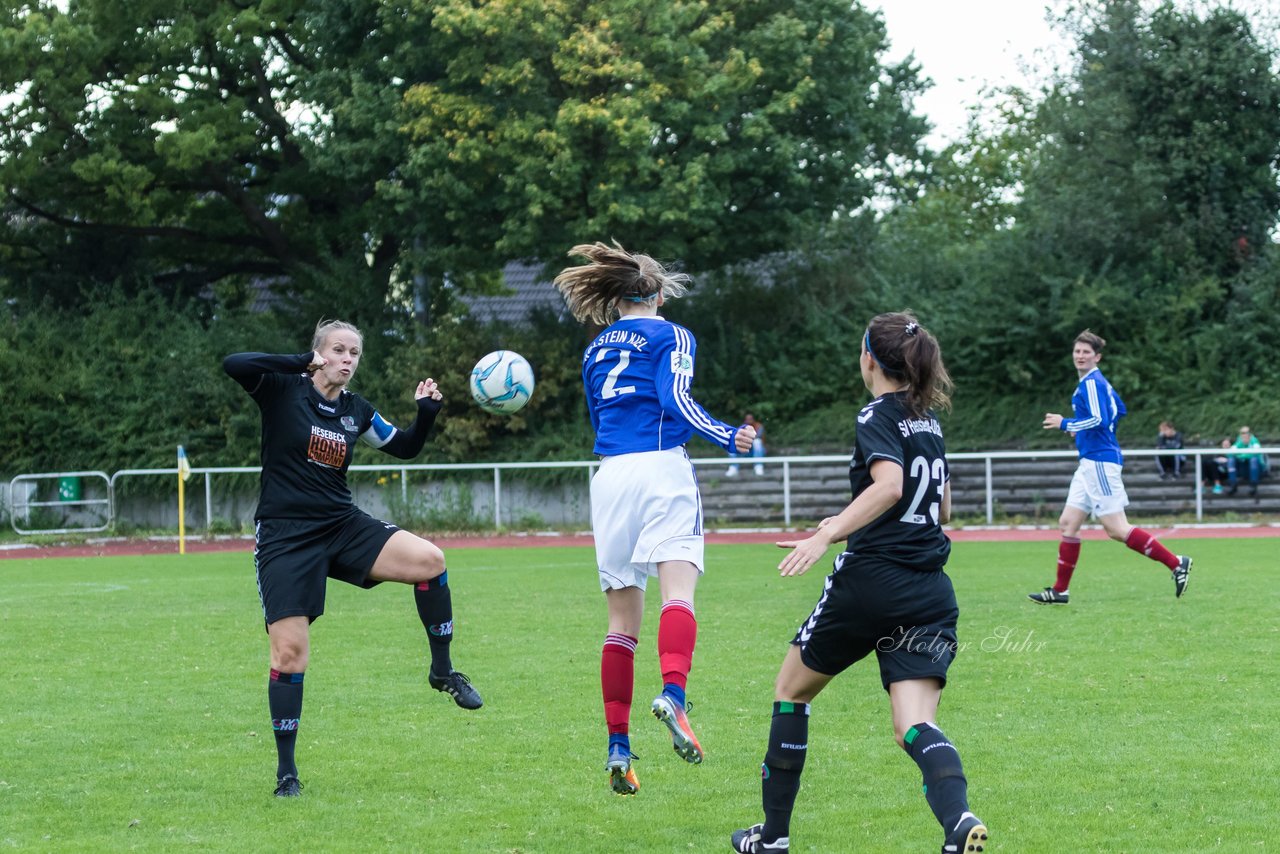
289,657
785,692
423,562
431,561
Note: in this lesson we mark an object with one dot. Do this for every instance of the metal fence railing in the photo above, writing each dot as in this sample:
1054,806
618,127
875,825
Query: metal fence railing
26,503
24,499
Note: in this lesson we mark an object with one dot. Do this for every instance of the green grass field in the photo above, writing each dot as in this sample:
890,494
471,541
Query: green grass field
134,711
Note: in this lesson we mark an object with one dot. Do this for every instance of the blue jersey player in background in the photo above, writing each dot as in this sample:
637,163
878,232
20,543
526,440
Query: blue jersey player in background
1096,487
646,513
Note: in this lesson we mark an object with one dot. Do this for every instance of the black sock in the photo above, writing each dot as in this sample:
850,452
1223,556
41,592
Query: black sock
435,608
945,787
284,697
783,764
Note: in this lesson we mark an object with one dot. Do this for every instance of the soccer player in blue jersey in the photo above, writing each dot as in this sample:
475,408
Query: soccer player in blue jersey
307,528
888,593
1096,487
646,513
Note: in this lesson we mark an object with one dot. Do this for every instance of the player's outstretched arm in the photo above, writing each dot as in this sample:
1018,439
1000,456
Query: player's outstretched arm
673,383
805,553
407,443
248,368
871,504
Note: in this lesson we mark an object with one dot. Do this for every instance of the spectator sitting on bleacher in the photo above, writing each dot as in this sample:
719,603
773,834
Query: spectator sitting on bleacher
1218,468
1254,464
1169,439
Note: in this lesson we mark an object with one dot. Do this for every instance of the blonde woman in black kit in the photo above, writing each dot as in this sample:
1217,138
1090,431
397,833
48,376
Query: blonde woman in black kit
307,528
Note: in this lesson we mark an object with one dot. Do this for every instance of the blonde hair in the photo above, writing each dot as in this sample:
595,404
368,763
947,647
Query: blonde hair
324,327
594,290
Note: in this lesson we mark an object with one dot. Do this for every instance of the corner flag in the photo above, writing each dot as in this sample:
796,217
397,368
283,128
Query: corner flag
184,473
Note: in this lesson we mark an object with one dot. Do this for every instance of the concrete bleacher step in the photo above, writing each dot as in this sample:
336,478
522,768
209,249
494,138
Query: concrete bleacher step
1021,488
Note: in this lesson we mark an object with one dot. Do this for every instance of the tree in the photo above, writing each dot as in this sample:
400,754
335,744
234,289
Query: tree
1133,196
1158,186
709,132
177,145
344,145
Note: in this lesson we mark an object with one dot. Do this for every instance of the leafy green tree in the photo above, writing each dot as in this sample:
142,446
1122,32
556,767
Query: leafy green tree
706,131
1194,102
1133,196
122,383
347,147
1158,184
172,146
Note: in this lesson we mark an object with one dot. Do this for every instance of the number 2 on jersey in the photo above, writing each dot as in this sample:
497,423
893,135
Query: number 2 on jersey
927,475
611,388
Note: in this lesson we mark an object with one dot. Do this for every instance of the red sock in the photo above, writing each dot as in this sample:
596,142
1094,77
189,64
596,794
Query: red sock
617,680
1068,555
1140,541
677,634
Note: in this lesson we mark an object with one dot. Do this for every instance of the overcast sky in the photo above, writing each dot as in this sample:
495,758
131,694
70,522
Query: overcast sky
963,45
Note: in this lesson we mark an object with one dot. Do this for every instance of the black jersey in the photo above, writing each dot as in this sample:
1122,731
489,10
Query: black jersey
307,439
908,533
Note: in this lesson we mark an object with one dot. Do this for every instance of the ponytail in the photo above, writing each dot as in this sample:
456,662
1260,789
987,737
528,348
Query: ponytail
907,353
594,290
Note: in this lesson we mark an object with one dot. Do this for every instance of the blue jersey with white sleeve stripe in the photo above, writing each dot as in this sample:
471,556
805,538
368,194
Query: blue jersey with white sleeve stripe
637,374
1097,409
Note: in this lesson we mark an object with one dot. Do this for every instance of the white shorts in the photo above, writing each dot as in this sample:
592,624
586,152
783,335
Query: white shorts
645,508
1097,488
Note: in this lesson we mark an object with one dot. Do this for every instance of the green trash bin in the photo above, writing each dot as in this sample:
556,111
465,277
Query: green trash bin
69,489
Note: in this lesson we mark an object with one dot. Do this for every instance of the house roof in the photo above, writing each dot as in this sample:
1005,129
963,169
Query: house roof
267,293
528,291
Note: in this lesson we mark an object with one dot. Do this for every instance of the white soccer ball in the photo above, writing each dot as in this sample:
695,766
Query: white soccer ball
502,382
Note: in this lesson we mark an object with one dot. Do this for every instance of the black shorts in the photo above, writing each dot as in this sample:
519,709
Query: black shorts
294,557
907,617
